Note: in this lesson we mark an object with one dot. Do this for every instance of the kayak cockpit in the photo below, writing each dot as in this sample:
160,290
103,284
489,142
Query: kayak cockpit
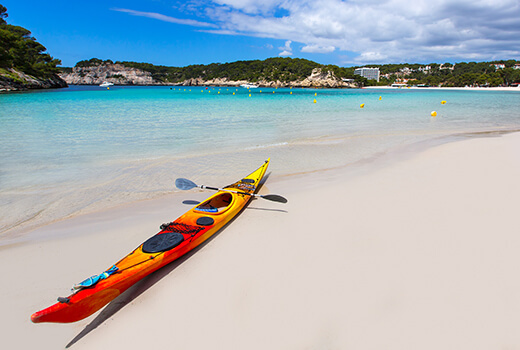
216,204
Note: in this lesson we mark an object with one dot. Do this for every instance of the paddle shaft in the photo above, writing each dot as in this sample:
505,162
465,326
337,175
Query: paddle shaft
222,189
185,184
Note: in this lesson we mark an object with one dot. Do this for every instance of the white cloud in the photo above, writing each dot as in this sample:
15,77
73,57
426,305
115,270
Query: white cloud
372,30
386,30
165,18
371,57
318,49
286,50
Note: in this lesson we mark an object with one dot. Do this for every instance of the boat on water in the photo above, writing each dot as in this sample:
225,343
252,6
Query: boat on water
249,86
173,241
106,84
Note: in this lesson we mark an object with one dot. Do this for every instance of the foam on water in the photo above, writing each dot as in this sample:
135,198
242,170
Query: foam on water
81,149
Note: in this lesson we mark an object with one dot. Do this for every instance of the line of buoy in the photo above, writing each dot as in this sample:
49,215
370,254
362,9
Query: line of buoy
433,113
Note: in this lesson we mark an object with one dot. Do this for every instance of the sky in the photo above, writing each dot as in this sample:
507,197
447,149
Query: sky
344,33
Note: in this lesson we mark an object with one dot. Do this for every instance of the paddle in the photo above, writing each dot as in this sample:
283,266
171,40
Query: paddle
185,184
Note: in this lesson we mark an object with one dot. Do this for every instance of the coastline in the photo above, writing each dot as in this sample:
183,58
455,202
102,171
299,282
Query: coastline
516,89
411,240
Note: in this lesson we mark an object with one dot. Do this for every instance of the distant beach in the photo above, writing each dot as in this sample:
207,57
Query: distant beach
499,88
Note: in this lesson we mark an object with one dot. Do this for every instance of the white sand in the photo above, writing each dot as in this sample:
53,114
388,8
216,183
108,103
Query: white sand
421,253
497,88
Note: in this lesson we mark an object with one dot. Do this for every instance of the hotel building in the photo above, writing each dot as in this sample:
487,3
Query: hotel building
369,73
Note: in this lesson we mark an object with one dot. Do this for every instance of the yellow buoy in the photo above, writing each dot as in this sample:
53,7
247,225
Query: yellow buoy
315,94
362,105
314,100
108,88
218,93
291,93
443,102
233,93
434,114
380,98
249,95
273,92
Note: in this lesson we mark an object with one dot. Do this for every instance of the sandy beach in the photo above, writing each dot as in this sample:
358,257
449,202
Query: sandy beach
467,88
410,251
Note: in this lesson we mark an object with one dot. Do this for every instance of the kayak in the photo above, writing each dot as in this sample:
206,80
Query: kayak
173,241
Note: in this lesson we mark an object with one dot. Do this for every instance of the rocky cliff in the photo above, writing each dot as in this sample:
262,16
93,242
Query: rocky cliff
13,80
113,73
122,75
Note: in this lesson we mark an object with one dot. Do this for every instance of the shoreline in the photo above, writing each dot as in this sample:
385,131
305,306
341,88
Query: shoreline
26,234
393,249
386,87
502,88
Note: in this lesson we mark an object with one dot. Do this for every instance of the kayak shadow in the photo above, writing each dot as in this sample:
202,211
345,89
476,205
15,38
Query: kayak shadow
132,293
143,285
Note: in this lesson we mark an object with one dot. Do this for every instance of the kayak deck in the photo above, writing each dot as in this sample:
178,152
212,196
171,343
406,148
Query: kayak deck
173,241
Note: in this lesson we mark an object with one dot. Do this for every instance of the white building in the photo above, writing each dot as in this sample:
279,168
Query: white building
369,73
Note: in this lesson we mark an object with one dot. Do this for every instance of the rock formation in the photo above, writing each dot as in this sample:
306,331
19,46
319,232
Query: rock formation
113,73
14,80
123,75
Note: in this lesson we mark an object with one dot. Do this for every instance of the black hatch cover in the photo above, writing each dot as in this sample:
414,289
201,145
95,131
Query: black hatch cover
162,242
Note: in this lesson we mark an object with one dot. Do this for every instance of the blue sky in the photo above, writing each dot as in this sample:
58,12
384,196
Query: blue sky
345,33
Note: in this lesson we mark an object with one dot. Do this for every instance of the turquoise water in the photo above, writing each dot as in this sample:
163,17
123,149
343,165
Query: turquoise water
81,149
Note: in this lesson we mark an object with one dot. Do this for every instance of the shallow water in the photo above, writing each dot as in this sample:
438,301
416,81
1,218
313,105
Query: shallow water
82,149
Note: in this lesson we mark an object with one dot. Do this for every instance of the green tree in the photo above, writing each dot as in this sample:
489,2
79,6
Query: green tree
19,50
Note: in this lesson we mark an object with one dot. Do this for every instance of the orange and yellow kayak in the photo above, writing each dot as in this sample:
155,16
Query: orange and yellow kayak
173,241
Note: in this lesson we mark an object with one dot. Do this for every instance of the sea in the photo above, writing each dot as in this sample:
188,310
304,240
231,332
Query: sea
82,149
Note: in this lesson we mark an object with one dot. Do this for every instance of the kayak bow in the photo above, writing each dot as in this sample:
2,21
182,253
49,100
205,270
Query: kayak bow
173,241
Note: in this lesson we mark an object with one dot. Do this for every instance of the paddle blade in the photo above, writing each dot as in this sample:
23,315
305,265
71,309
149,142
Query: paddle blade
185,184
274,198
